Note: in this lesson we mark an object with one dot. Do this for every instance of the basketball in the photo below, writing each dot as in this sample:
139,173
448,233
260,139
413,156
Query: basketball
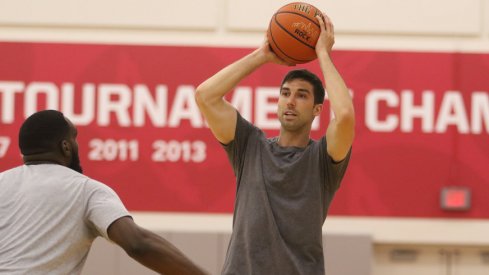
293,32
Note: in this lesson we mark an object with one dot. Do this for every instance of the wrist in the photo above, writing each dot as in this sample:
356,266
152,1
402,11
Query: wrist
253,60
324,54
259,56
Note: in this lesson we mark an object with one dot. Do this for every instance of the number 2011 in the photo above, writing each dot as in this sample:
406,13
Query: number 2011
4,145
110,149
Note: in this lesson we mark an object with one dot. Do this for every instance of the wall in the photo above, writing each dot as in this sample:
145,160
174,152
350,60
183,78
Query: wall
372,24
390,25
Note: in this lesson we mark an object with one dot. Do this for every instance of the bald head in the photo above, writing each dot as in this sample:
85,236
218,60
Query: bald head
42,132
48,136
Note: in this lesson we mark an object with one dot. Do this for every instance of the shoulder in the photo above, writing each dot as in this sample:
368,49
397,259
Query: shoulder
68,174
322,144
244,130
242,123
318,146
11,171
89,184
95,186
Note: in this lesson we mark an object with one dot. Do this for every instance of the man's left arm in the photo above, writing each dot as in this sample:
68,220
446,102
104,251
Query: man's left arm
341,129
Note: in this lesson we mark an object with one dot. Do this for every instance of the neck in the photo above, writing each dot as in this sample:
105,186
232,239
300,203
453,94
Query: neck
33,162
293,139
42,158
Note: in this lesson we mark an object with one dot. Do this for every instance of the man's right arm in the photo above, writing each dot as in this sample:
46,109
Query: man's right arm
220,114
150,249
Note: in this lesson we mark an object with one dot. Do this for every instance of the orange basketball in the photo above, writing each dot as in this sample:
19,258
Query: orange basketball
294,31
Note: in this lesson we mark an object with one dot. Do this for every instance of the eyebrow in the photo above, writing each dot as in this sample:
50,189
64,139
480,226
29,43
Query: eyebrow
300,90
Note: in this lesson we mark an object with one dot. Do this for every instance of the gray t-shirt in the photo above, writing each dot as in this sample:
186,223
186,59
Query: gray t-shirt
282,199
49,217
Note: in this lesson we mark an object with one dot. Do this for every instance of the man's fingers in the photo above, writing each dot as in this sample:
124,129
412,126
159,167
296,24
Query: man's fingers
325,23
321,22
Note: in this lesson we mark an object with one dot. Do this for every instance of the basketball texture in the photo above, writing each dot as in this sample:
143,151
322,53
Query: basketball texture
293,32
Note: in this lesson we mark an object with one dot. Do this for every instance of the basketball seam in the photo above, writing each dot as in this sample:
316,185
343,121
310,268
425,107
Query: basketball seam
292,35
276,44
301,15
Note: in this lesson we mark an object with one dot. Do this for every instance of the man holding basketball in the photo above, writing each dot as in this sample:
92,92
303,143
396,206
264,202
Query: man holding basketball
284,184
50,213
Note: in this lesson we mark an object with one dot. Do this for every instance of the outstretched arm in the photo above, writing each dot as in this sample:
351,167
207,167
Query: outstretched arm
220,114
150,249
341,129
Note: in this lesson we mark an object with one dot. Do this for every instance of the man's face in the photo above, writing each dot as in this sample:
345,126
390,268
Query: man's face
75,157
296,109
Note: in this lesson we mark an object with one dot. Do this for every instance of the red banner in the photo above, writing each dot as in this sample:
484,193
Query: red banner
422,123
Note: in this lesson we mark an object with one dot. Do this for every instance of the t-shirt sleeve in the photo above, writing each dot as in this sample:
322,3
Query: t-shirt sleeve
236,148
103,207
335,170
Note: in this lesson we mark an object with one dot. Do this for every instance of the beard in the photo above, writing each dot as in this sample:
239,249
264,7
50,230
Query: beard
75,163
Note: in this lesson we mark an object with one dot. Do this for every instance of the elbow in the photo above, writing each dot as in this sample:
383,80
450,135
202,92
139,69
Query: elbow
137,252
139,248
346,116
345,120
200,96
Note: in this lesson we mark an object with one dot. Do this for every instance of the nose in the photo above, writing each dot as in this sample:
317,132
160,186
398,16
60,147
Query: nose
290,101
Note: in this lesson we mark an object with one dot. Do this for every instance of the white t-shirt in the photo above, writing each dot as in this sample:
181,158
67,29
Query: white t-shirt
49,217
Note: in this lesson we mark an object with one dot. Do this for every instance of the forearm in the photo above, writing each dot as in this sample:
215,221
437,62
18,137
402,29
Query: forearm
217,86
159,255
339,97
341,129
219,114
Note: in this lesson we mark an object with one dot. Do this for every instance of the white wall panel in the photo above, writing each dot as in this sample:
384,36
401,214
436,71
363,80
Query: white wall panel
181,14
434,17
426,260
383,230
102,258
485,19
434,25
340,251
202,248
254,15
438,17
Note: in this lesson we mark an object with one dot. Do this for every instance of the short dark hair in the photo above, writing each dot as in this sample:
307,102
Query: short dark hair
306,75
42,132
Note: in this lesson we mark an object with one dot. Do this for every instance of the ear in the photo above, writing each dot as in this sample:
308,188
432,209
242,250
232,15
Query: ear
66,148
317,109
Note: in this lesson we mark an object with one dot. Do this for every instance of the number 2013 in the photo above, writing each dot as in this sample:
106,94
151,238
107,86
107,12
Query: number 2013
173,151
